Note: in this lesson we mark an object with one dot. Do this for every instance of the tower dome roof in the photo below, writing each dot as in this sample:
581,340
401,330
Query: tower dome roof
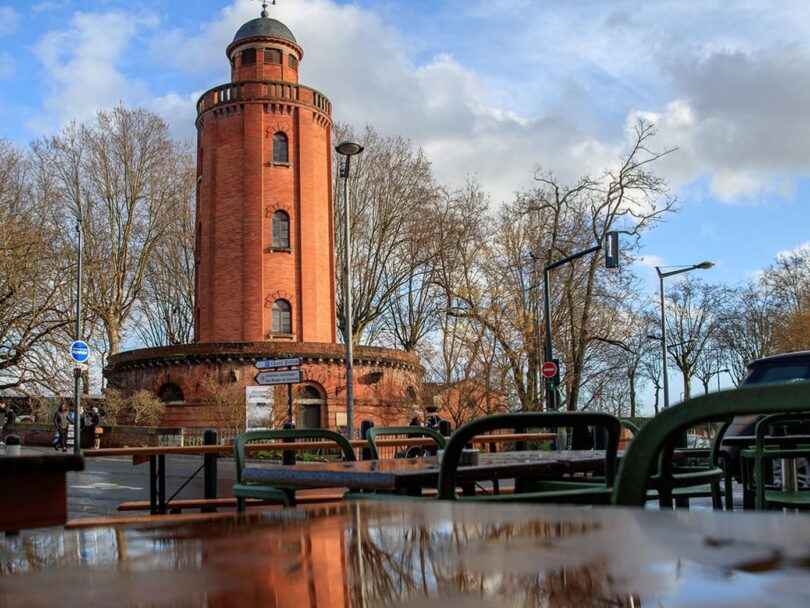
264,27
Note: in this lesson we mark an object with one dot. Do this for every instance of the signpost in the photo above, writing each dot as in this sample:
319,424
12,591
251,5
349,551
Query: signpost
275,363
79,351
286,376
549,369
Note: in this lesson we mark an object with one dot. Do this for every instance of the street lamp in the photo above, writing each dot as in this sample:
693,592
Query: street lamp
661,277
347,149
77,372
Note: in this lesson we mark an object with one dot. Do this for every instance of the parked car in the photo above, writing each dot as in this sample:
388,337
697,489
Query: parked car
788,367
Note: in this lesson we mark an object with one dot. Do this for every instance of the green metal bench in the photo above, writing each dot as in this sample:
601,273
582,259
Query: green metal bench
282,496
401,431
579,491
657,438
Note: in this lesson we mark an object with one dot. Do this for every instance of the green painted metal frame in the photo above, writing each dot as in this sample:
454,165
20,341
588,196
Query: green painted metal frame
761,454
408,431
284,496
642,456
578,491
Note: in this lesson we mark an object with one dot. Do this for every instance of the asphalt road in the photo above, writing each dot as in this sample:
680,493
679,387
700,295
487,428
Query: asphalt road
106,482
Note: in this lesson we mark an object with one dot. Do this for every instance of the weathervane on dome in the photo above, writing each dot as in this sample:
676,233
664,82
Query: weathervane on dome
264,7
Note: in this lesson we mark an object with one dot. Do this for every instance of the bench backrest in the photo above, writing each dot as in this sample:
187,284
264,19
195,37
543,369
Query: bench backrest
284,434
642,456
462,436
407,431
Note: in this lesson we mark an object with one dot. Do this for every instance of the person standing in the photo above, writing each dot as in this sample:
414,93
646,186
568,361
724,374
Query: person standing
7,418
61,420
96,430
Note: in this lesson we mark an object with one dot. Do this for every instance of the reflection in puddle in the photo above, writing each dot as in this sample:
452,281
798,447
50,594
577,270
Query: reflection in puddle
412,554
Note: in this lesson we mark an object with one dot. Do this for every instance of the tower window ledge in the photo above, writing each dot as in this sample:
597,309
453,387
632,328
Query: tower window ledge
280,250
281,336
278,164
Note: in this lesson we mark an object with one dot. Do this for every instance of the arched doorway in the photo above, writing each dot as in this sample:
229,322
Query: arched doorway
309,406
171,393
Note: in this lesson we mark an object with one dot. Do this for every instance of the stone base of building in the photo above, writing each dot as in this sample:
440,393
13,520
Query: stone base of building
205,384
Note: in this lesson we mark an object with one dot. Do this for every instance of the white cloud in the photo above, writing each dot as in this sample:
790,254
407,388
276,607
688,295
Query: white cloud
798,250
733,104
80,67
9,18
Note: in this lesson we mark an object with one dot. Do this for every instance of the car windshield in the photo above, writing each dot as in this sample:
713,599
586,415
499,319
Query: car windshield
768,374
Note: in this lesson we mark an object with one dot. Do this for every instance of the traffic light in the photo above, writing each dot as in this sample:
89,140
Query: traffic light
612,249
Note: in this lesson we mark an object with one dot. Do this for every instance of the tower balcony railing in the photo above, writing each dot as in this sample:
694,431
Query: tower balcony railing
263,90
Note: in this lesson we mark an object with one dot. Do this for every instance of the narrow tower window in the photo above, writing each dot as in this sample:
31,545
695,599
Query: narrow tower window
281,230
282,317
280,148
272,56
293,62
248,56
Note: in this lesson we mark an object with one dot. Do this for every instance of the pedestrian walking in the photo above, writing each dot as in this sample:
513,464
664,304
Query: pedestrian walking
7,418
61,419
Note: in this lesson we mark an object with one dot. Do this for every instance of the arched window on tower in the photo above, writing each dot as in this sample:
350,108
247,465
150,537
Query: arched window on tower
280,148
282,317
281,230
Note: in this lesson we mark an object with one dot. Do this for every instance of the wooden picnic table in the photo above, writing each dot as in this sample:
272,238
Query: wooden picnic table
420,553
410,474
33,490
156,456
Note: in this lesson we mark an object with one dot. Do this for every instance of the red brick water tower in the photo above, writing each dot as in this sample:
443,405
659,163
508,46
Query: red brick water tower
265,279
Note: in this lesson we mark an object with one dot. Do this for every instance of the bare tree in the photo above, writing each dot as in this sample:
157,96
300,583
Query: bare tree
391,191
131,182
548,223
35,279
693,320
165,309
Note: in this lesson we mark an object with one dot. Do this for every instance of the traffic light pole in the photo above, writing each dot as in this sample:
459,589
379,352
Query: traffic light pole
552,389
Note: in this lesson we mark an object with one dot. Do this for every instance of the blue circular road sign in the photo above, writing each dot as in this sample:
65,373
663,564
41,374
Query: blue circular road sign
80,351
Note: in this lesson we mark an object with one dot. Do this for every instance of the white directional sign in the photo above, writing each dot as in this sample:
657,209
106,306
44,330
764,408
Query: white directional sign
291,376
275,363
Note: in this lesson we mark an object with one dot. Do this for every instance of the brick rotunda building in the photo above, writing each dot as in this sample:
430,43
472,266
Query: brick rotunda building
265,280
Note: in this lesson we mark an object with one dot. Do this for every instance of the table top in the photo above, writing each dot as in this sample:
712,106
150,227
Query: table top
41,463
785,441
221,449
415,553
407,473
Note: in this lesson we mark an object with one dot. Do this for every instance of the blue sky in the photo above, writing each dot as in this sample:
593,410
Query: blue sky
492,88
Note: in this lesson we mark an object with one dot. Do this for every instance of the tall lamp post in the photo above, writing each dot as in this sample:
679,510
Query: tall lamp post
661,277
77,372
347,149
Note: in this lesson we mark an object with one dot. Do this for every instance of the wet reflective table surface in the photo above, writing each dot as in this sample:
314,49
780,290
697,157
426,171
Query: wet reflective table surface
407,473
420,553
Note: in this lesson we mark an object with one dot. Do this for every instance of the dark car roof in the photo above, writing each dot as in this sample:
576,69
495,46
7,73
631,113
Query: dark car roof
797,357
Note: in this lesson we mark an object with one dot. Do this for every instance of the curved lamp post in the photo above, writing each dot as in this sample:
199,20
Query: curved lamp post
347,149
661,277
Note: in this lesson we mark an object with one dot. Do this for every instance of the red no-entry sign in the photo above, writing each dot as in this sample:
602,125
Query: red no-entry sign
549,369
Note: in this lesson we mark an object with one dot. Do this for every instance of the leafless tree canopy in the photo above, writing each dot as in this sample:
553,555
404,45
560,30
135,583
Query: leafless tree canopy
35,278
133,184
